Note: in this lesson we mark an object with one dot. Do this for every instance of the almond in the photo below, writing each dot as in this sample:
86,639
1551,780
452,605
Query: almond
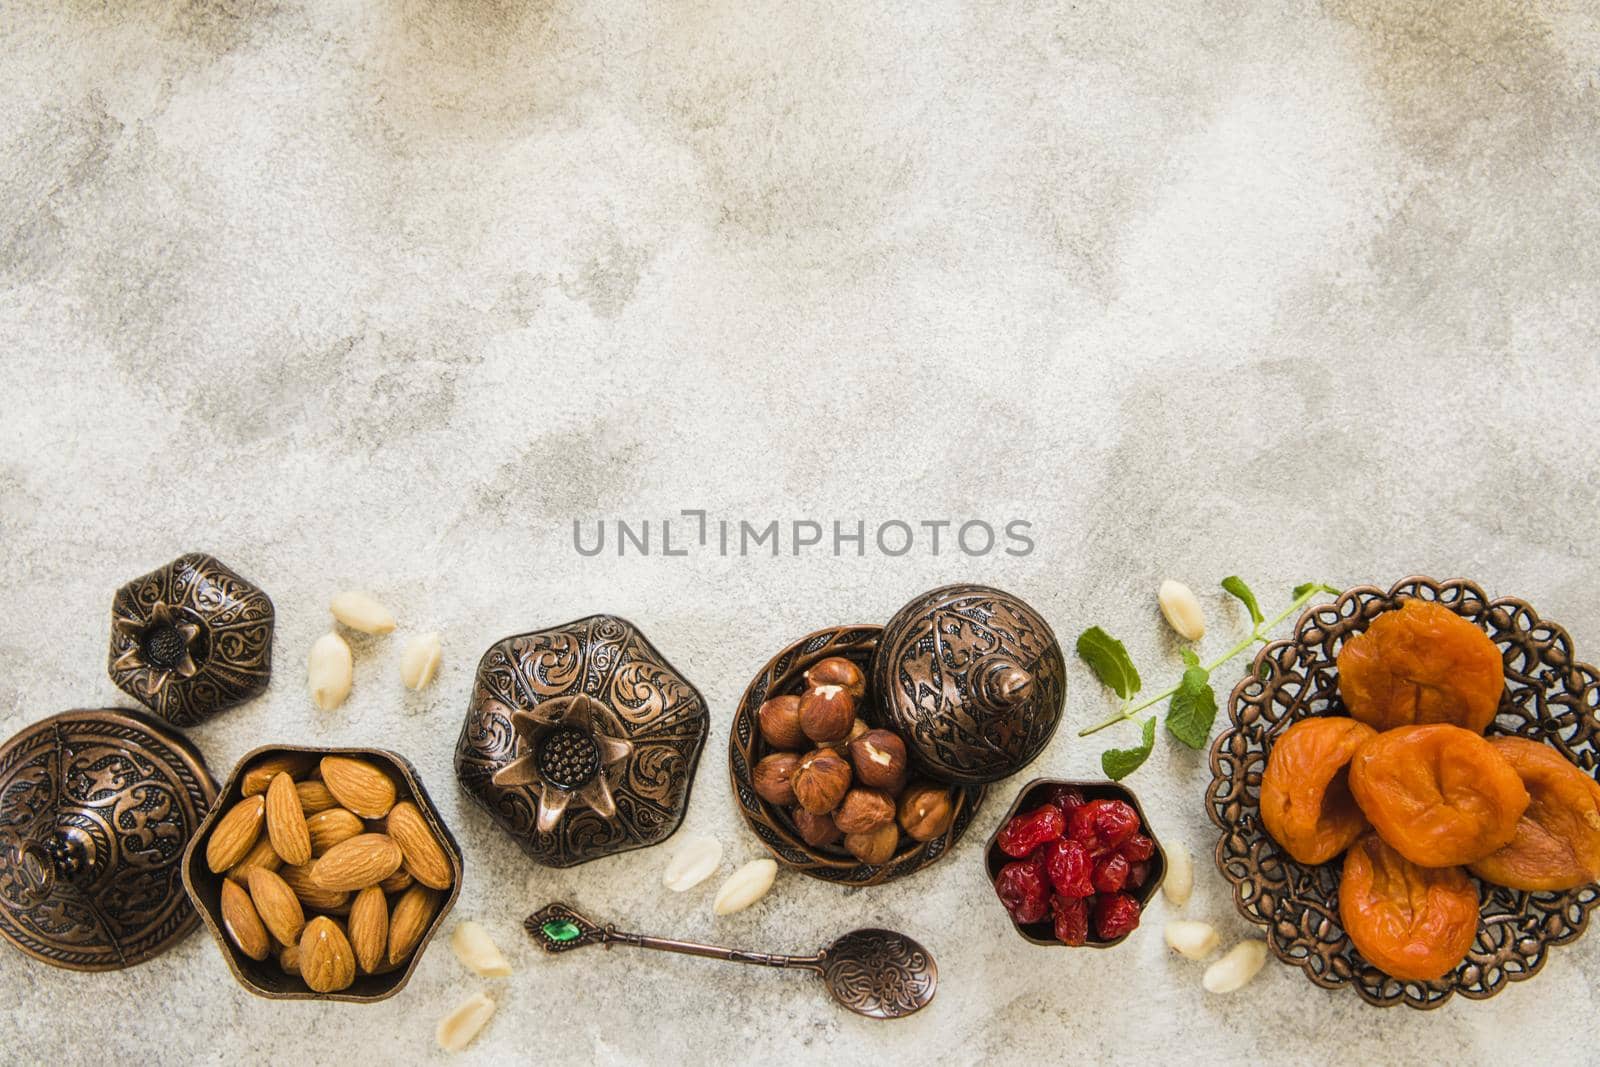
1179,882
457,1030
235,834
328,828
277,905
260,855
289,958
1233,971
361,612
314,797
745,886
264,770
330,668
398,882
241,922
420,661
286,821
369,927
363,860
1181,608
409,921
327,963
474,947
358,785
312,895
423,857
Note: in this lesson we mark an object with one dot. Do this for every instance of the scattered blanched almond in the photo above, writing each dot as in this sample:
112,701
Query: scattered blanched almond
1234,970
1191,939
476,949
1182,610
745,886
457,1029
1179,882
330,669
361,612
692,862
420,661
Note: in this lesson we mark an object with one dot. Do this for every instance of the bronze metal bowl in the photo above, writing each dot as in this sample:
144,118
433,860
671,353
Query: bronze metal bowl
1550,697
263,977
783,675
1031,796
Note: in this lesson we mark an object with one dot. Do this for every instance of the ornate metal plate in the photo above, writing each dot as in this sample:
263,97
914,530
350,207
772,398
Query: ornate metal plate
973,679
96,808
554,709
784,674
1550,697
191,639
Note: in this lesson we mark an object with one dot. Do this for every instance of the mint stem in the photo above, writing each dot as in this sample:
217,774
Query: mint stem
1257,634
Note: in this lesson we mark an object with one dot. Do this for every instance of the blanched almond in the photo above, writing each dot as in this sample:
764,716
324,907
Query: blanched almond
363,860
235,833
420,661
1179,882
277,905
327,963
1182,610
1191,939
286,821
409,921
474,947
457,1030
329,670
424,857
369,927
692,862
361,612
745,886
241,923
1235,970
358,785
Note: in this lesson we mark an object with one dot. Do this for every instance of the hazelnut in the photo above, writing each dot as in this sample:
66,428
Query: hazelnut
827,713
879,758
779,719
836,670
864,810
876,847
773,778
926,811
815,830
821,781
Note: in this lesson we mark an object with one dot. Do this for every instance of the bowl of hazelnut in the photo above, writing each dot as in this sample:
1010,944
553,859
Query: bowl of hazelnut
822,780
1075,863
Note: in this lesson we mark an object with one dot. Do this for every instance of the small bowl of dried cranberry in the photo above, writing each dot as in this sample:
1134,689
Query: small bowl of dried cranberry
1075,863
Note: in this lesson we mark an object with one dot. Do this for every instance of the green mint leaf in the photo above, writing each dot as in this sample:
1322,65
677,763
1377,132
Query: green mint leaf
1189,658
1235,585
1193,708
1118,763
1109,660
1308,587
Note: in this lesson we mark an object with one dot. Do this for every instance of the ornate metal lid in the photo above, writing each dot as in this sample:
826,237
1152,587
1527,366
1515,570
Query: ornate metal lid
973,679
96,808
190,639
581,740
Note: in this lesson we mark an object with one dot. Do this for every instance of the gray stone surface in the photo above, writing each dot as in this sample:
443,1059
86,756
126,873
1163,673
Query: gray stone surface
386,295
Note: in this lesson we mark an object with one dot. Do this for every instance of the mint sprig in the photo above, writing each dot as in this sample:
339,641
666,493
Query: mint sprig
1192,708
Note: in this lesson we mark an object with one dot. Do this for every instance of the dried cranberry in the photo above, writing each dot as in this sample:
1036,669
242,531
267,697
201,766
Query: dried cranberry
1069,867
1137,873
1110,873
1114,915
1024,891
1066,797
1031,829
1137,848
1072,919
1103,824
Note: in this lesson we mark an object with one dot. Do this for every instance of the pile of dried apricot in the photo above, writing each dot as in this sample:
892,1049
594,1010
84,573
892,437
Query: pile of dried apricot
1414,796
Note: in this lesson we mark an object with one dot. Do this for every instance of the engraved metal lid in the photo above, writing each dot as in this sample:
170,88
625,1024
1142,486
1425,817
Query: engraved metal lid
96,808
973,679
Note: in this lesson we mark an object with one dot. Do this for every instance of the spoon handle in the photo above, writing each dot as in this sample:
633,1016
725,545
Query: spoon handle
714,952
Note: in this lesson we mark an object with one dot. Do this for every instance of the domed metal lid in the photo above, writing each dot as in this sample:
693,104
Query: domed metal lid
96,808
973,679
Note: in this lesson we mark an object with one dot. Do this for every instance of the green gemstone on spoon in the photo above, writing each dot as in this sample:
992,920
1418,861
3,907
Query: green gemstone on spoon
560,930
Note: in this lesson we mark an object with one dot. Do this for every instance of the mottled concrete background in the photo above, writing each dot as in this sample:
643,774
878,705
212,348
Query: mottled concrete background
386,295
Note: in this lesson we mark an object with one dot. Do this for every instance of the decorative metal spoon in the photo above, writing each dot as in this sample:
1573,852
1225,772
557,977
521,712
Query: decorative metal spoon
876,973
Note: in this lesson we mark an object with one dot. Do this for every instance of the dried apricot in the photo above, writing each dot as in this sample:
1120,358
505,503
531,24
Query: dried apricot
1421,664
1439,795
1415,923
1557,845
1305,791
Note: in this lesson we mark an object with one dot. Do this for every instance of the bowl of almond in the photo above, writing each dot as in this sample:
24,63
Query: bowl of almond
322,873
